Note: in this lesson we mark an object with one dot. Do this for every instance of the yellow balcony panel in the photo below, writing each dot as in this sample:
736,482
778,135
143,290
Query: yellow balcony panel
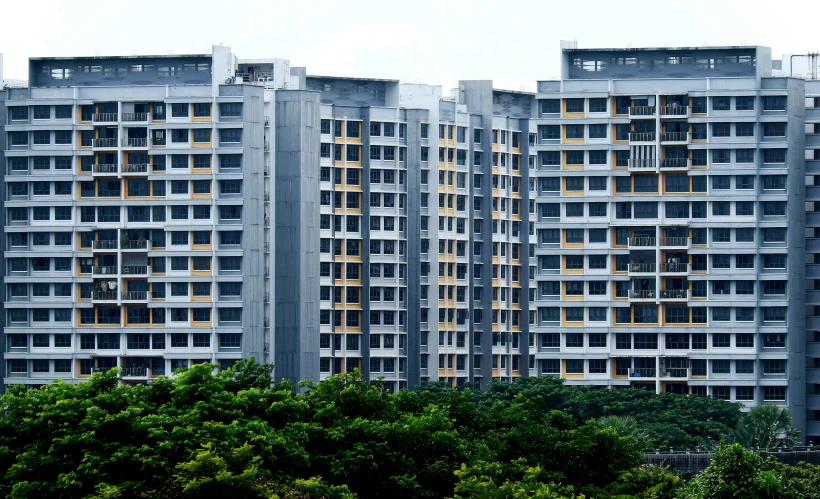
202,324
202,145
202,298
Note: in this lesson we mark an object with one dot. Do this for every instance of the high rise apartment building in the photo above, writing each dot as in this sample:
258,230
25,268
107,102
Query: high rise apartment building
633,224
669,218
813,258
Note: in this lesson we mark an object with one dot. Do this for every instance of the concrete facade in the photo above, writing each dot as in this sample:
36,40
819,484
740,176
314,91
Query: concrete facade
633,225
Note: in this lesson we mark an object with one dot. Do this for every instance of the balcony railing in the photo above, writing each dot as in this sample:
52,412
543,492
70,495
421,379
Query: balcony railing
642,372
675,294
105,270
642,136
675,110
642,267
675,163
135,295
675,267
642,110
675,372
104,117
105,168
105,244
676,241
135,116
104,295
643,293
134,371
643,163
134,269
132,245
621,110
675,137
135,168
139,142
104,143
643,241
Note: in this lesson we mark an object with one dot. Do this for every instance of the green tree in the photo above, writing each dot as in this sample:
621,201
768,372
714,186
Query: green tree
487,481
736,473
766,426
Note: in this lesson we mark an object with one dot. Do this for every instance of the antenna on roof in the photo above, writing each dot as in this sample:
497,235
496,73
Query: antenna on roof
743,43
96,53
629,45
668,44
706,43
170,52
133,52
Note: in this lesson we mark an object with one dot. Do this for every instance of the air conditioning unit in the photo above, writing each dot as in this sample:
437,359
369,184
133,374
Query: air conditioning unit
267,322
267,146
267,120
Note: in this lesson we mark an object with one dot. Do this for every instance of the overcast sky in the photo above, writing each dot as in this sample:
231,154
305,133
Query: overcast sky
436,42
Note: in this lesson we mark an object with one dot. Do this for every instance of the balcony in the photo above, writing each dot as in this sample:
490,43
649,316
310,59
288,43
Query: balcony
675,268
139,244
104,296
135,295
104,270
105,168
135,168
104,117
675,372
642,136
642,372
676,242
643,241
643,294
642,164
139,142
642,268
674,294
134,117
642,111
676,137
134,372
676,164
105,244
104,143
135,270
675,111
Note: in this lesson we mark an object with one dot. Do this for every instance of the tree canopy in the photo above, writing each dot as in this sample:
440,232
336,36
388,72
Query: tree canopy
235,433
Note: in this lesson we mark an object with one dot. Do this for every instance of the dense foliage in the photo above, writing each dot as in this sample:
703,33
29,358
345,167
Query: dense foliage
236,434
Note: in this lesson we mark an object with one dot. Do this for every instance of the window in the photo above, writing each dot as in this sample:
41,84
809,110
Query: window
179,110
202,135
202,110
720,156
774,103
745,103
597,105
234,110
574,105
721,103
774,393
774,156
720,130
549,106
230,135
774,129
744,156
574,131
62,137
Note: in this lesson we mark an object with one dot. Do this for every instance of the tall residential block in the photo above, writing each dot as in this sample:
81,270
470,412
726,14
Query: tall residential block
639,223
